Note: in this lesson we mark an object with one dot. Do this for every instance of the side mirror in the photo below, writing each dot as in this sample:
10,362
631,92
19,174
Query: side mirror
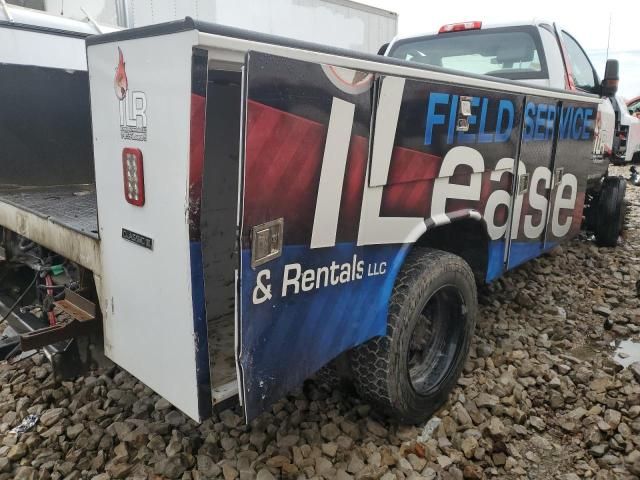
609,85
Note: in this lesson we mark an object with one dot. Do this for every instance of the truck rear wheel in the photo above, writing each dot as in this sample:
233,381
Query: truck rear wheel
610,211
409,372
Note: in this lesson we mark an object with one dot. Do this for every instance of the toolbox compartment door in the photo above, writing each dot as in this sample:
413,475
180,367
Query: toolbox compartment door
532,190
574,163
306,128
150,287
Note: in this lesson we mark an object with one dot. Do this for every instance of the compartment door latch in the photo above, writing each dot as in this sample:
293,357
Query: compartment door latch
464,112
266,242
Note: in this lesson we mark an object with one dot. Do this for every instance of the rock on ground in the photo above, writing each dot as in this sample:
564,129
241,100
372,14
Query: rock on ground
540,397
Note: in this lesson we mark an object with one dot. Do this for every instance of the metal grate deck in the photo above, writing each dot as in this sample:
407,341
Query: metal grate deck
72,206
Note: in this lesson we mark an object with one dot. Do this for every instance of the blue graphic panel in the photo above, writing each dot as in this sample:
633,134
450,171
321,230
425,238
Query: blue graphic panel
520,252
290,333
200,330
495,264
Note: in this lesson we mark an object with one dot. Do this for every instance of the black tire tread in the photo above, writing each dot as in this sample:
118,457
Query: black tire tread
370,362
611,211
328,377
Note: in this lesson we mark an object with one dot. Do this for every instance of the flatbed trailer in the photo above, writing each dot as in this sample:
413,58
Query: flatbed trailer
266,207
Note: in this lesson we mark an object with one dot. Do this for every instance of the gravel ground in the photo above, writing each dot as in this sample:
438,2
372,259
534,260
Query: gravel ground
541,397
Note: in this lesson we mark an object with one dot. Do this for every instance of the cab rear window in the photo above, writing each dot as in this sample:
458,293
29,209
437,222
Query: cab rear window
513,53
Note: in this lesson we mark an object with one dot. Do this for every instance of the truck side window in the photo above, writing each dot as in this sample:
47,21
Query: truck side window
581,68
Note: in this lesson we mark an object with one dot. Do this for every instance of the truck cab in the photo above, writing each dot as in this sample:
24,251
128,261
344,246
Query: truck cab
539,53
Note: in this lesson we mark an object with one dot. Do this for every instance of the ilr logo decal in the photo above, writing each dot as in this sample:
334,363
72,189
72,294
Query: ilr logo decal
132,105
120,83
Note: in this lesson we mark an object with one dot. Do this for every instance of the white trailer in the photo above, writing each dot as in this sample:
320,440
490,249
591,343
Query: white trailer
336,23
31,37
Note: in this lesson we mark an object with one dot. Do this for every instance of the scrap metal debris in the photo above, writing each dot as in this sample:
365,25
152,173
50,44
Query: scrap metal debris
27,424
634,178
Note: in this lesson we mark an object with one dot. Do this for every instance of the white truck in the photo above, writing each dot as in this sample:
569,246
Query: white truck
258,207
626,144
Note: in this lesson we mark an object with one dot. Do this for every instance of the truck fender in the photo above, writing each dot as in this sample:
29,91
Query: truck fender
463,233
452,217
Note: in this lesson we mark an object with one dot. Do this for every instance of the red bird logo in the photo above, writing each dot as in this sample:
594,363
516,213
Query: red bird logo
120,83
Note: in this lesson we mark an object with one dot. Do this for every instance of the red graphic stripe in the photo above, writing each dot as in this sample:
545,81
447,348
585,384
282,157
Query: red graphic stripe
282,169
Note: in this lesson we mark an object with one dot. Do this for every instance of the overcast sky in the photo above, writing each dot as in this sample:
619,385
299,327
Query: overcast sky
584,20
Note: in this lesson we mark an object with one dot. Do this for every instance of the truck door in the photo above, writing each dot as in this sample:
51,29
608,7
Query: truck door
534,183
302,295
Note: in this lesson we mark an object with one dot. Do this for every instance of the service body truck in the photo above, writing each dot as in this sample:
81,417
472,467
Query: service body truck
266,207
